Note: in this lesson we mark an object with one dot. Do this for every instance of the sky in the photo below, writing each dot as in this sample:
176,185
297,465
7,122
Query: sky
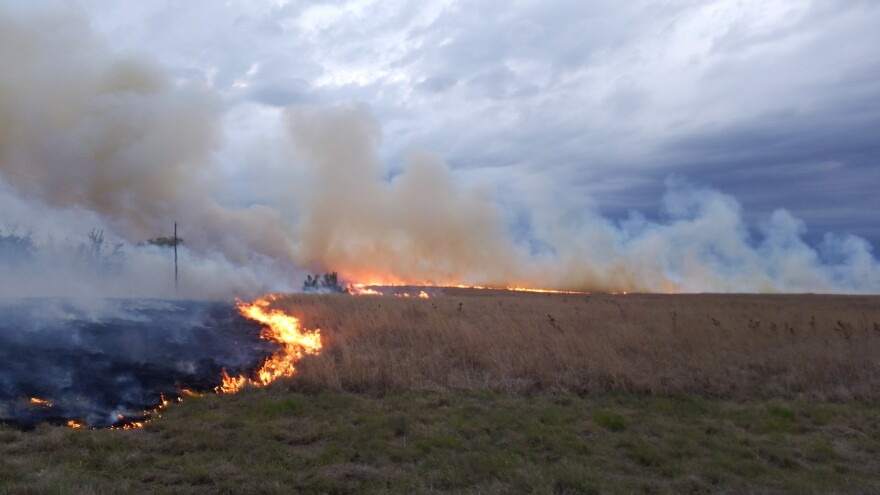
774,103
727,145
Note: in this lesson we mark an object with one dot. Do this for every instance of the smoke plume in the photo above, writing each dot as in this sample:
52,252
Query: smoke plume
85,130
420,228
92,139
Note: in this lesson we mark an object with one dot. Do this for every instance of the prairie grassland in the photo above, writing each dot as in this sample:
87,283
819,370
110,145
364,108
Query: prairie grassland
735,346
493,392
277,441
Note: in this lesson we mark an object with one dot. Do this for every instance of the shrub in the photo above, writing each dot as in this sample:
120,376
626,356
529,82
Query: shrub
328,283
16,249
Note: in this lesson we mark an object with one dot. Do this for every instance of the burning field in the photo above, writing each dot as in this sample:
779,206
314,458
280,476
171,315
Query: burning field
496,322
115,363
465,389
118,362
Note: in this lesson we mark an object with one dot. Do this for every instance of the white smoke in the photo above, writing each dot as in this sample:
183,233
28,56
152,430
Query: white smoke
705,245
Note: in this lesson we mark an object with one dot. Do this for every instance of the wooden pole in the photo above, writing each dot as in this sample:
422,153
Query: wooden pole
175,257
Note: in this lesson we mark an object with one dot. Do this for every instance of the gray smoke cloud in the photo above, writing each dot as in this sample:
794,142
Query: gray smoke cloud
93,139
59,260
421,228
417,228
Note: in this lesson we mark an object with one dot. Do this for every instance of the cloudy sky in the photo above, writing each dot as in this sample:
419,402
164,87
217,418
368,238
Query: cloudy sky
592,145
775,103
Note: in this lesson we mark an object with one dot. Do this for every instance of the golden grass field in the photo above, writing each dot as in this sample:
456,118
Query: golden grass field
736,346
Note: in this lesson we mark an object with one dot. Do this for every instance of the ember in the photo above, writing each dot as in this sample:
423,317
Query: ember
40,402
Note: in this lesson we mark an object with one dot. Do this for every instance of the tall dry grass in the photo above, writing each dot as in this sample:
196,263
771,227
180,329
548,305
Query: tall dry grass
708,345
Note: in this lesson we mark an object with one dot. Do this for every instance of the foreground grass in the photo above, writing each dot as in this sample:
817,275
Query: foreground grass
278,440
490,392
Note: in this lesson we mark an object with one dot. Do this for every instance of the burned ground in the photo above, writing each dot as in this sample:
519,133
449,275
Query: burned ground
104,363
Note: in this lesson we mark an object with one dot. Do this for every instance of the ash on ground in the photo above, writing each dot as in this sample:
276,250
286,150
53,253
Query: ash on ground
104,363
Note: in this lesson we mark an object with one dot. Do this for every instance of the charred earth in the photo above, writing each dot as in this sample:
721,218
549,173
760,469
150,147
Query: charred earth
110,362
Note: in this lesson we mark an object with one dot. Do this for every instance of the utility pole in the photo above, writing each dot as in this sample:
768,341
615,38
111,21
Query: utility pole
175,257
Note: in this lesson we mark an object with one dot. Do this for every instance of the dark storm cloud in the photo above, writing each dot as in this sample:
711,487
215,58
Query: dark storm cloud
822,163
779,116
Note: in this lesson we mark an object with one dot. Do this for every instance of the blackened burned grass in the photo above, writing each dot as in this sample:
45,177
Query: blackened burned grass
278,440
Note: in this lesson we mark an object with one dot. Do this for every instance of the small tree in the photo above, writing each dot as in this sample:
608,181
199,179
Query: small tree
100,254
328,283
311,283
17,249
331,280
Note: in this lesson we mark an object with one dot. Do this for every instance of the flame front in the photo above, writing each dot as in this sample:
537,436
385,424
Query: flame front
362,290
278,327
40,402
283,329
366,289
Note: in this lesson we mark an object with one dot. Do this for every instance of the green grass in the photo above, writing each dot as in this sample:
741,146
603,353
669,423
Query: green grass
277,440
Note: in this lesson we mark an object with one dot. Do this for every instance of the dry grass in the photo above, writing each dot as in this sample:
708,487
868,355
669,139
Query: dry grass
430,421
734,346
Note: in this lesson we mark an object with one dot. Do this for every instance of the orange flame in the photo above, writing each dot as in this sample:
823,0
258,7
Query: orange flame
40,402
365,289
521,289
362,290
283,329
421,295
128,426
189,393
279,327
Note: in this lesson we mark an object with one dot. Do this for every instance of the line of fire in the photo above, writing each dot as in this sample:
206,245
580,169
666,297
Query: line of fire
120,363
